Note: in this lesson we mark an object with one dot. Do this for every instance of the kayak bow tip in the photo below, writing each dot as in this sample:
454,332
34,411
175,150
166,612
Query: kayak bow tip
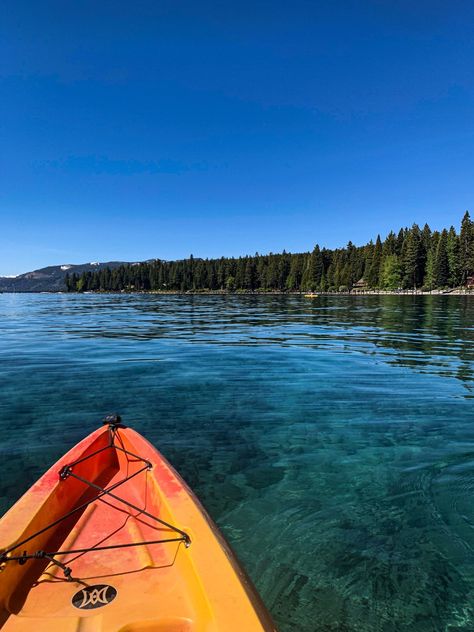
112,420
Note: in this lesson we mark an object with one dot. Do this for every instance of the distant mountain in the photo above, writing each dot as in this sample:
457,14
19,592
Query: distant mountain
50,279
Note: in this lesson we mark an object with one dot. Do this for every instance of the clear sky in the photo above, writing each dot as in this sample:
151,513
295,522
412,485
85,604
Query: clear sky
133,130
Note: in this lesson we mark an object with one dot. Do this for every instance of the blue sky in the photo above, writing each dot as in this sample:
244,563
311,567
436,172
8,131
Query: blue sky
132,130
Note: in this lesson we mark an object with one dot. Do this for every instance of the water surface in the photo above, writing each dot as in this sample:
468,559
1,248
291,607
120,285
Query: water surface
332,440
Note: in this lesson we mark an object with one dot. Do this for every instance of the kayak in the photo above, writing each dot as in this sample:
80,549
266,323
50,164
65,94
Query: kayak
112,539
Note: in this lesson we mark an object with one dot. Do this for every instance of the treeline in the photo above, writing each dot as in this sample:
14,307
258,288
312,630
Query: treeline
412,259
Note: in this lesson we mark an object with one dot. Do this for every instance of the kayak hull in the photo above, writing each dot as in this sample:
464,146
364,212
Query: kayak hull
186,584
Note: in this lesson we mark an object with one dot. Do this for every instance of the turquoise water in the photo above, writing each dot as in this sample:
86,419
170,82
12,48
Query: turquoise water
332,440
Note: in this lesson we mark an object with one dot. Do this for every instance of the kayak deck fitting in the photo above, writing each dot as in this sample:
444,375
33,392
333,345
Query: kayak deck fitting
93,546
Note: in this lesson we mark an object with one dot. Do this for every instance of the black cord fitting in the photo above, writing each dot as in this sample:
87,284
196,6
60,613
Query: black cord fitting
112,420
64,472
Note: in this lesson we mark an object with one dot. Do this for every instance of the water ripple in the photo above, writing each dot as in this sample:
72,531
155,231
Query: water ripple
332,440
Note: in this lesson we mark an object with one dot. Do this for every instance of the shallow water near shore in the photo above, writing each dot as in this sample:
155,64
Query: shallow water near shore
332,440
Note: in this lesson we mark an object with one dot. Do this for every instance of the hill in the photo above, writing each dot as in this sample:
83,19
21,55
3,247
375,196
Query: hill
51,278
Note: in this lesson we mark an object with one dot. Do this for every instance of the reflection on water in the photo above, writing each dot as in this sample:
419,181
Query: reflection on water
332,440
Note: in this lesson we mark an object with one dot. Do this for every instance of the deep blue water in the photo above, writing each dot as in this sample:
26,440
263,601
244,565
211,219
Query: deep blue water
332,440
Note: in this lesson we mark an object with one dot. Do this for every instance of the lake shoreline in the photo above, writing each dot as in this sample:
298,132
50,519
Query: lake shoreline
454,292
306,294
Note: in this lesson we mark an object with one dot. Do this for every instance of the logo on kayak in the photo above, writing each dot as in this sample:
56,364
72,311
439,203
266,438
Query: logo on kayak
94,596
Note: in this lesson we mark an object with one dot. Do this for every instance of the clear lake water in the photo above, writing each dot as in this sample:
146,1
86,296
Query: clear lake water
332,440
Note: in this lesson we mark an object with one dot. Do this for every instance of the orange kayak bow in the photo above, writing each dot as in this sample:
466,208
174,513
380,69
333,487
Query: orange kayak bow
112,539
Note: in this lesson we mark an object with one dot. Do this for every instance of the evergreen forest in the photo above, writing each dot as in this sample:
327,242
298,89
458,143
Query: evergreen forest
413,258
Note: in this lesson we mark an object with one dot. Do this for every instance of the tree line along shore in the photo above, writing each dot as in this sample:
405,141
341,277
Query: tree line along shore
414,259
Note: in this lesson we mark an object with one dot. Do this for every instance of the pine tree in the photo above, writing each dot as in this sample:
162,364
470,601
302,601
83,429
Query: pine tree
429,280
73,283
425,244
390,245
330,277
454,264
368,258
283,269
313,270
411,258
293,281
345,280
272,273
250,276
400,241
82,283
337,270
323,286
373,276
441,265
466,246
317,267
391,273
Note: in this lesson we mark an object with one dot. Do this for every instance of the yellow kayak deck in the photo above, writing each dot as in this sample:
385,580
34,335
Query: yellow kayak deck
186,584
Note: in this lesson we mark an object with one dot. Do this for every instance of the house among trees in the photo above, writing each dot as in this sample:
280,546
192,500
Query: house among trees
360,286
470,282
